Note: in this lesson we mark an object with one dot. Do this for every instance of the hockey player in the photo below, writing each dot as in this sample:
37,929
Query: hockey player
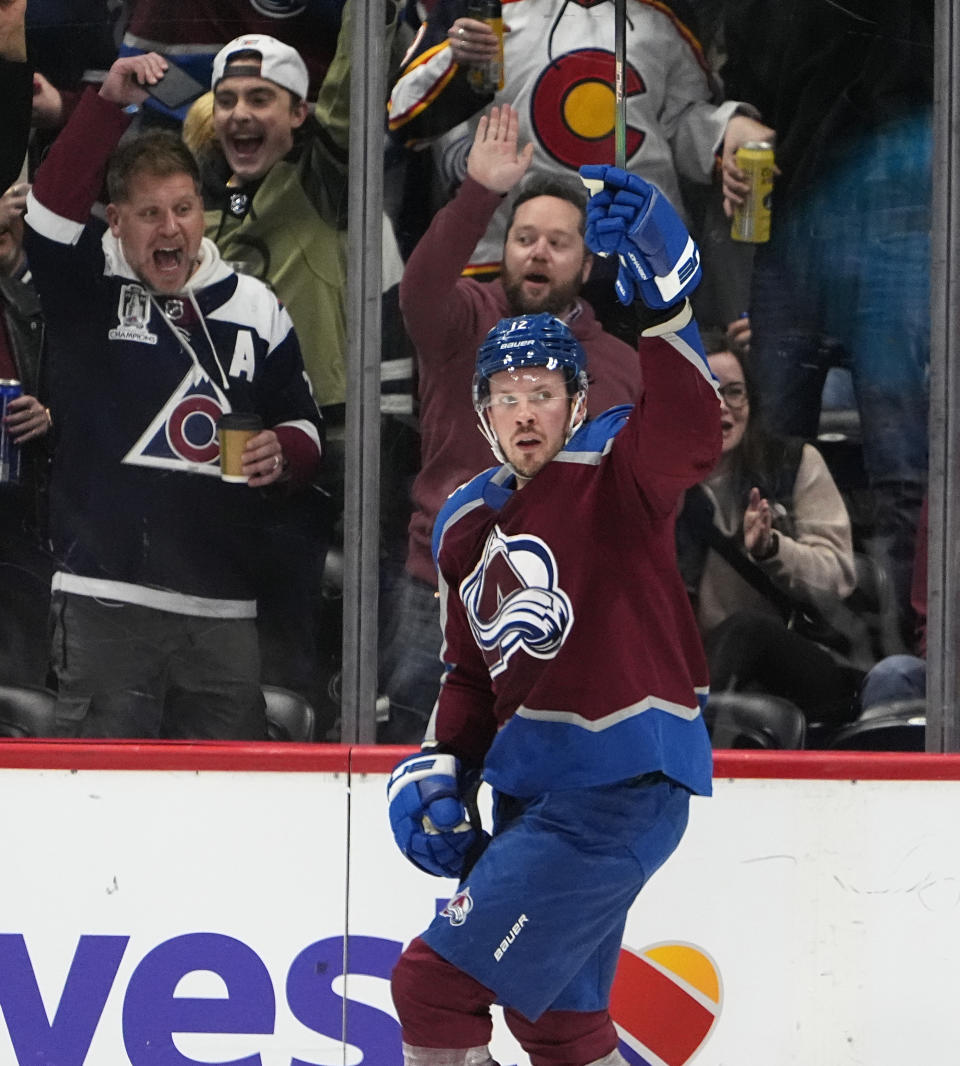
151,338
575,677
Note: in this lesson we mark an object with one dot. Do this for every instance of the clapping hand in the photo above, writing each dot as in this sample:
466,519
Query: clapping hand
758,525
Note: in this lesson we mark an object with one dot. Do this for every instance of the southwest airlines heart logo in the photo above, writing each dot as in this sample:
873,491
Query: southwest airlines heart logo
665,1002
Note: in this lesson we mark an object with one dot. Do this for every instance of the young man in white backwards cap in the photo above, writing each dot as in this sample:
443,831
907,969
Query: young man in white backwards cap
275,192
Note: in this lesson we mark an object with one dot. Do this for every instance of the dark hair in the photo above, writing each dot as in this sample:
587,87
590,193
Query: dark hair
563,188
160,153
714,340
759,456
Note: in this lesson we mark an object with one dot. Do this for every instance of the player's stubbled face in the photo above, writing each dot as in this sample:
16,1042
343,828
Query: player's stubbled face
529,411
545,261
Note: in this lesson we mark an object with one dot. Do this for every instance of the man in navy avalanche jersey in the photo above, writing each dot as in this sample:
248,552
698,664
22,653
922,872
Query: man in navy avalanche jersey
152,337
575,677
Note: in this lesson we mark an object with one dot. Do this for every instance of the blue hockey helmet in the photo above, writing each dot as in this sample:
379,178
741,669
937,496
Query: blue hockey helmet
526,341
530,340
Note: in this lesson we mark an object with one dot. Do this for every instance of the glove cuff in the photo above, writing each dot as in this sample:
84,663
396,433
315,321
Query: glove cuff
652,322
674,284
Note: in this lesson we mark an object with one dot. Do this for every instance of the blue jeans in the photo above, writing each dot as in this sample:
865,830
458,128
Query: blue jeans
845,280
411,668
897,677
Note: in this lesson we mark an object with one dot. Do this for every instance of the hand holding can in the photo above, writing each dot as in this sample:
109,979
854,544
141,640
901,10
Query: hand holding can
751,218
10,390
488,77
26,418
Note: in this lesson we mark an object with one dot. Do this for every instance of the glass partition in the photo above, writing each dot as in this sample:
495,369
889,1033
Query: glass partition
828,320
830,316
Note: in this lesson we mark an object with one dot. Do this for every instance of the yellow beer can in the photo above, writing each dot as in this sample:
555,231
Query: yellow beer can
751,220
488,78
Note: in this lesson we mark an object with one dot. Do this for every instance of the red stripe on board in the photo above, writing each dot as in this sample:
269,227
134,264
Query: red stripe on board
380,759
173,755
837,765
663,1016
373,759
801,765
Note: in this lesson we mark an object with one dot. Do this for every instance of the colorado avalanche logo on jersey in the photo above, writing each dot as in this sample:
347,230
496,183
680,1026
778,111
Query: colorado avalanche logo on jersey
459,907
183,435
513,600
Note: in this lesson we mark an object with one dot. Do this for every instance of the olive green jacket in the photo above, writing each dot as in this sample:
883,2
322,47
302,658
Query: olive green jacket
293,234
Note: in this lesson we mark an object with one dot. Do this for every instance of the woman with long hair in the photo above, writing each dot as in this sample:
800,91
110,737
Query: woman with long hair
765,546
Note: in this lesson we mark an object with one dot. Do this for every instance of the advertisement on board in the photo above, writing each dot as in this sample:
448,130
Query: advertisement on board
167,918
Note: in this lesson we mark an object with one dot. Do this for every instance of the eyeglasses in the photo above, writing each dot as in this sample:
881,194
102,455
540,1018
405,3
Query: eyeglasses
508,400
734,395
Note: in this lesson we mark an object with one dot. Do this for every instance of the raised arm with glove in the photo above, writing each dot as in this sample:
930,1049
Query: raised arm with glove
630,218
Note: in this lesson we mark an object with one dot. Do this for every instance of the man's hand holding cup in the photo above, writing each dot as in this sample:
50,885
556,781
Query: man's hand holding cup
249,454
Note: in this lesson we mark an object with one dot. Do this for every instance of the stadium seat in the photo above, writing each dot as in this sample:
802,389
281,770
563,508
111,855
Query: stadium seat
753,720
897,726
289,715
26,711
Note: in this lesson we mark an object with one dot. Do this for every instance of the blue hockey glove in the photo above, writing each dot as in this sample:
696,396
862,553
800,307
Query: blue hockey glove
427,814
630,218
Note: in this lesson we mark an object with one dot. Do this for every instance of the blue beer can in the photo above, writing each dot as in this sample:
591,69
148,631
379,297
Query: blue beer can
9,451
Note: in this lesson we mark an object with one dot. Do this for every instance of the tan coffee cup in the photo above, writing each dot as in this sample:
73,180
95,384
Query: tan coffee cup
234,430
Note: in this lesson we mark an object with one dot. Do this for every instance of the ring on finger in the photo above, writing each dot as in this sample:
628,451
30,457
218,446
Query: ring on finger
276,462
460,32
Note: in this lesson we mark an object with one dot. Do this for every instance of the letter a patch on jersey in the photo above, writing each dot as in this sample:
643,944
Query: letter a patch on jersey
183,436
514,601
244,363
